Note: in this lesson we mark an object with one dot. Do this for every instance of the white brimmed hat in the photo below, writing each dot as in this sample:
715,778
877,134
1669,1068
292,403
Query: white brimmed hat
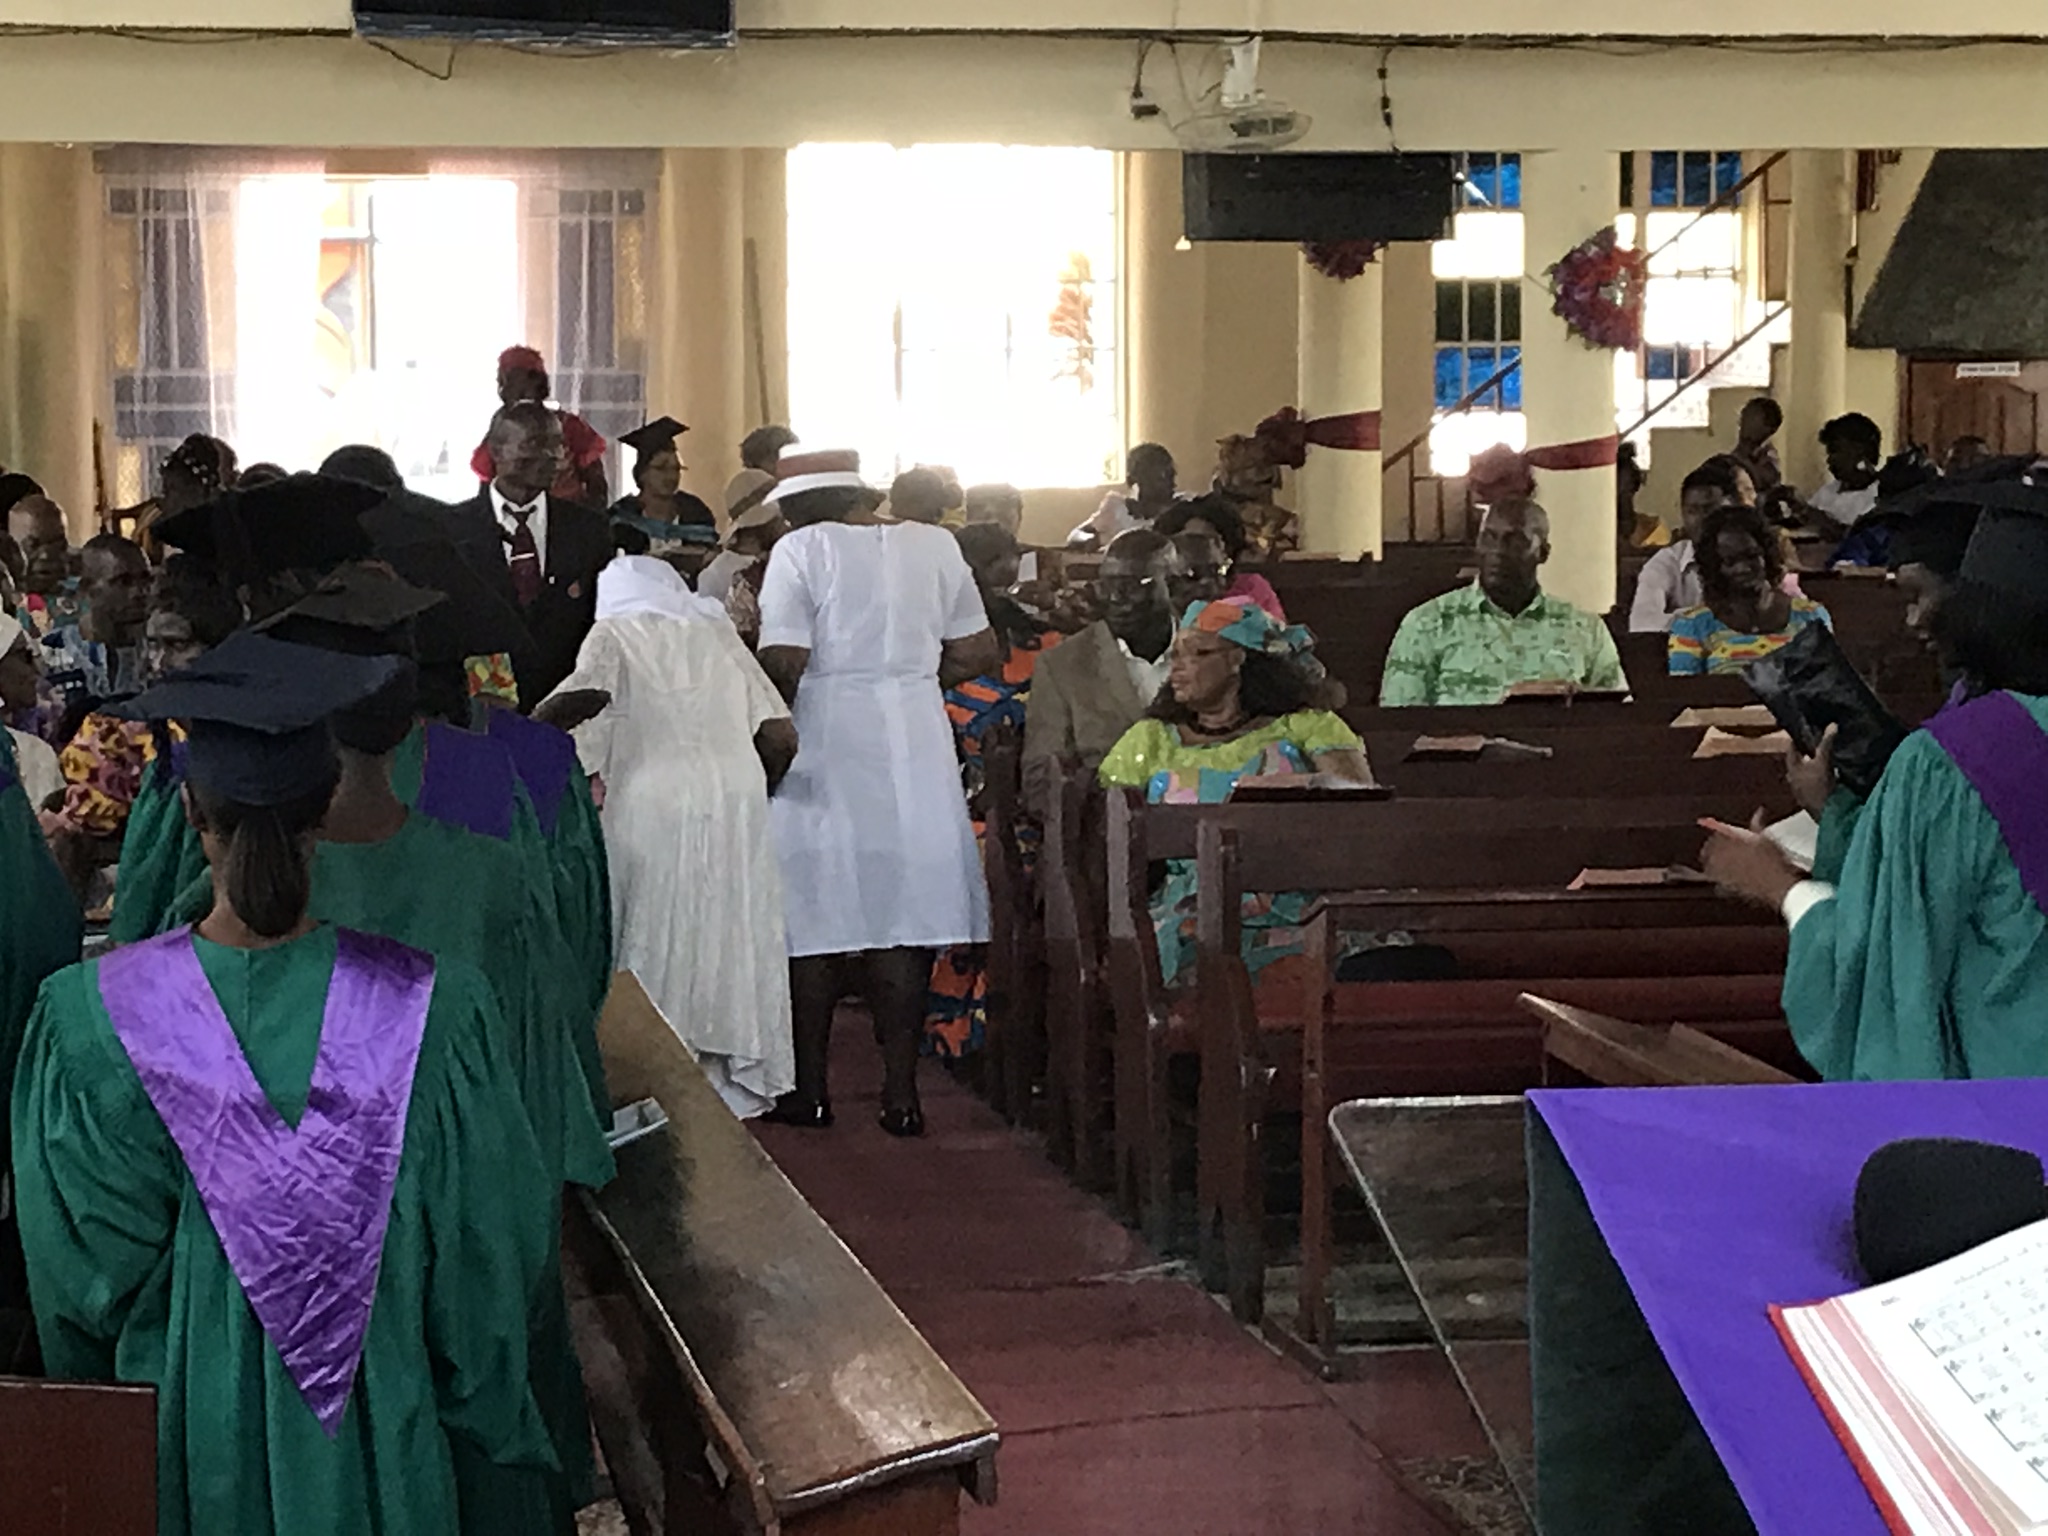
830,469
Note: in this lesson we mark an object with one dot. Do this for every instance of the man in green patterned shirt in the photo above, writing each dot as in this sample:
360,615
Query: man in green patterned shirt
1472,645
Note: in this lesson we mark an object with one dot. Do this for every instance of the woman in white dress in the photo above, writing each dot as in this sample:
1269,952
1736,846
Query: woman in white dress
862,623
688,749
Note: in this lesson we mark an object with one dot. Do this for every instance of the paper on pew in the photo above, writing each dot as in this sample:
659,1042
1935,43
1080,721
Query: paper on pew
1733,718
1603,879
1720,743
1473,746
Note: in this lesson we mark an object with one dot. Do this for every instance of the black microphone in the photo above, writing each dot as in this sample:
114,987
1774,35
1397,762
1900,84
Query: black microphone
1929,1198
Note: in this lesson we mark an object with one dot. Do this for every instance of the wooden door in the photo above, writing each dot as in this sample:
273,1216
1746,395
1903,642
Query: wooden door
1941,407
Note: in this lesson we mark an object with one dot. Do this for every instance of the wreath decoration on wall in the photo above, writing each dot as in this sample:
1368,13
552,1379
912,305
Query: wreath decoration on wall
1596,288
1341,259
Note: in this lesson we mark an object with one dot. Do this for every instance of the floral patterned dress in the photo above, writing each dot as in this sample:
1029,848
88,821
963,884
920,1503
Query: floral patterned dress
1152,757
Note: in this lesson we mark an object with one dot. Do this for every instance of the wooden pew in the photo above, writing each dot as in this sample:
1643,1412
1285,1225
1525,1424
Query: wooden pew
1616,1054
77,1458
1505,862
746,1374
1015,1048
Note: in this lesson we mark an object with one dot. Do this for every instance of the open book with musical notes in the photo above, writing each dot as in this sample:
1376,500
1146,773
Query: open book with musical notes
1937,1385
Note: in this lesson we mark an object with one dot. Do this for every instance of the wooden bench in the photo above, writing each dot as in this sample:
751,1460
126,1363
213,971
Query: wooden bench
1016,1045
746,1374
77,1458
1615,1054
1598,949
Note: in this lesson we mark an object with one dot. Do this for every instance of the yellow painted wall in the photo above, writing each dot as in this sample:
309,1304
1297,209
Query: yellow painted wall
1044,90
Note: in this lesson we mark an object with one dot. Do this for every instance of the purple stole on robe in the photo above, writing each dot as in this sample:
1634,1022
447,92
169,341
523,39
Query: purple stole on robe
1998,746
300,1211
467,781
543,757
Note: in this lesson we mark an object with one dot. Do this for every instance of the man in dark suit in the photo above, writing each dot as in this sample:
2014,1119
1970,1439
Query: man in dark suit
542,553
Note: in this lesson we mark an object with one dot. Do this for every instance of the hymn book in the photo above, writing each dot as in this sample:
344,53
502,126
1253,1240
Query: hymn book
1937,1386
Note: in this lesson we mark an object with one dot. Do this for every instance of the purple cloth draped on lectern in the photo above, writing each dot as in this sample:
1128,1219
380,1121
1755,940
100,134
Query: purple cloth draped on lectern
2001,749
1718,1202
301,1210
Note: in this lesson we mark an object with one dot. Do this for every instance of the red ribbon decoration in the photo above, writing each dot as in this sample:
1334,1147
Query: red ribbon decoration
1500,474
1286,436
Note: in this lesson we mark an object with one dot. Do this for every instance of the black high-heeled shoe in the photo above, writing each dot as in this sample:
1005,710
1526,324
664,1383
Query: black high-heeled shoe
805,1114
903,1122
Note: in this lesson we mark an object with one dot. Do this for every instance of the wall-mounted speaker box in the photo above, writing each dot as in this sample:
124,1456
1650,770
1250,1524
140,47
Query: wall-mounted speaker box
652,23
1318,196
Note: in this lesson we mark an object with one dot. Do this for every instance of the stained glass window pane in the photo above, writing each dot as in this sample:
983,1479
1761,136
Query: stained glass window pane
1664,178
1510,182
1727,170
1450,377
1482,180
1511,311
1480,363
1699,179
1660,363
1511,386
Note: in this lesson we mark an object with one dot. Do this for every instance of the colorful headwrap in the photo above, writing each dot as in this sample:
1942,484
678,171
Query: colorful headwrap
525,358
1243,622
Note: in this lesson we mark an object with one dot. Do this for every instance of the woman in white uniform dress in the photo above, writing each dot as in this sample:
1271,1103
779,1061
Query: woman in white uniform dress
862,623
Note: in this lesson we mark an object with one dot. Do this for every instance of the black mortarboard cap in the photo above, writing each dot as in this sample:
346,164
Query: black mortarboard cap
363,609
300,523
2009,550
653,437
256,710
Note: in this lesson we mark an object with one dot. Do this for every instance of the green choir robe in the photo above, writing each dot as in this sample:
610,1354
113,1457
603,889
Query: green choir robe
160,856
1930,960
441,1433
40,925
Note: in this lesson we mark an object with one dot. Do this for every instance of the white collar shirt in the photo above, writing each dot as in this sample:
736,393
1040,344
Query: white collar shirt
1668,584
537,521
1148,677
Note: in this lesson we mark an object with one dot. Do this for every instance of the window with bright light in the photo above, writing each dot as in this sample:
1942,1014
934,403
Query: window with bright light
956,304
1477,387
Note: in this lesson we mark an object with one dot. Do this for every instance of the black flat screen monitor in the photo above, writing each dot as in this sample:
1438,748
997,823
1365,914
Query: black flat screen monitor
665,23
1318,196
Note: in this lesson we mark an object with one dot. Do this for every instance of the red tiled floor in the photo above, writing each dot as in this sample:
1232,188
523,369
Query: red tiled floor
1097,1353
1130,1406
1257,1472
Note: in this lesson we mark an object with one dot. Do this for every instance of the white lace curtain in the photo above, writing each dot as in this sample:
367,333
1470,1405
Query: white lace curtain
262,299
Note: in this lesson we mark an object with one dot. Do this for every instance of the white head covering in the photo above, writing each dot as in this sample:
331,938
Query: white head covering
633,584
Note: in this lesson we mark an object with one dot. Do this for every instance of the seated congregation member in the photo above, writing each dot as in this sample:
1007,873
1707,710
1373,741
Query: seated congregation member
1926,953
1100,682
278,1170
537,549
97,655
1002,505
1217,516
763,447
1248,478
1148,490
659,507
692,743
109,758
1670,579
918,496
579,472
1473,645
34,761
39,934
197,471
999,698
49,589
1754,450
1746,613
1855,450
1236,708
752,525
863,623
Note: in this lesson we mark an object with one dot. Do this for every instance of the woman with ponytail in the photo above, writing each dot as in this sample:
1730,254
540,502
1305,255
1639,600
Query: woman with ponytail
279,1171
